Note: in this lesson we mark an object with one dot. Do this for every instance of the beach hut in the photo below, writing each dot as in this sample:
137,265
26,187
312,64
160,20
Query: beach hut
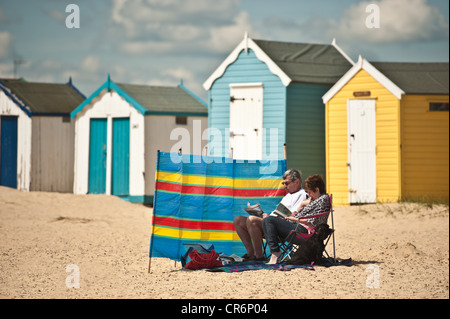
37,135
267,94
119,130
387,133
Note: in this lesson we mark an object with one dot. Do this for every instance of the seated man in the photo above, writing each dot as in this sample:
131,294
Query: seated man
249,229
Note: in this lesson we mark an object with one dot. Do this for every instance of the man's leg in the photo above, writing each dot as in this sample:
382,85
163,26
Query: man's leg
254,227
240,224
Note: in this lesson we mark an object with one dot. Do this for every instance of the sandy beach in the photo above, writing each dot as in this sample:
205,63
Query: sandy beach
399,250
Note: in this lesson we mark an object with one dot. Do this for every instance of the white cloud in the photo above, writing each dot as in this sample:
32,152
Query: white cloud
58,15
3,17
178,74
172,26
147,47
90,63
400,21
6,41
88,69
119,19
6,70
225,38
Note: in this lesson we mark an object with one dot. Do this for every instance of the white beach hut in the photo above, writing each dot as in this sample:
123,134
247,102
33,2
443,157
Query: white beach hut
37,135
119,130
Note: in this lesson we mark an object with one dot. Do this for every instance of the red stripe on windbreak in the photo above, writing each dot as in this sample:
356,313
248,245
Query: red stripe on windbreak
200,190
193,224
220,191
271,192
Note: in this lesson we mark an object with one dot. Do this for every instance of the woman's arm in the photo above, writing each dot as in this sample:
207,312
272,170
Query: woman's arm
315,207
304,203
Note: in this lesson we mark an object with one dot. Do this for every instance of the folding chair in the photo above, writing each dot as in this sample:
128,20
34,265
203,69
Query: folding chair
290,244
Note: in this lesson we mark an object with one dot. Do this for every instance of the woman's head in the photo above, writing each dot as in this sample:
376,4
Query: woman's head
315,186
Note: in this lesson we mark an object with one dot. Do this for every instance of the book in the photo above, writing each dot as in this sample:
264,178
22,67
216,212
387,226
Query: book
254,210
282,211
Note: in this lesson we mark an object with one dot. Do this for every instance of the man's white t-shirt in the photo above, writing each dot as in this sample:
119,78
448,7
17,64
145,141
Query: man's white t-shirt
293,201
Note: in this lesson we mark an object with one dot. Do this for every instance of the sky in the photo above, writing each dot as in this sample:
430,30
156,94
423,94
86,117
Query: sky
161,42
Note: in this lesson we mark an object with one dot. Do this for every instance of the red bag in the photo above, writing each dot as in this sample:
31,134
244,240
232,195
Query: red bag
203,261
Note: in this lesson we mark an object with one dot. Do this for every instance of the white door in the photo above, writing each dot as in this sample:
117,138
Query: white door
361,151
246,121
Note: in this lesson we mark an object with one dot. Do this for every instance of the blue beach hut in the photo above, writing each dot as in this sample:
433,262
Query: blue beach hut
265,102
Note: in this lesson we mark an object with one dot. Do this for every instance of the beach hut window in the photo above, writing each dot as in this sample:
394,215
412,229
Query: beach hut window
438,107
182,120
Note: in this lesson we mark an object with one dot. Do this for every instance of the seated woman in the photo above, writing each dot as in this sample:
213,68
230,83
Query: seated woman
318,203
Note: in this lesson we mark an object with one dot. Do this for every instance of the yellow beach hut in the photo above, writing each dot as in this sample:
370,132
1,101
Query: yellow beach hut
387,133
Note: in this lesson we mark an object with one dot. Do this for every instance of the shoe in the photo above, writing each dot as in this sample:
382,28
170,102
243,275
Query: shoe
246,257
253,258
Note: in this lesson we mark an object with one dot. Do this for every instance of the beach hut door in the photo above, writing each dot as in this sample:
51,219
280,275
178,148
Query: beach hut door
246,121
120,157
97,156
361,151
109,165
8,151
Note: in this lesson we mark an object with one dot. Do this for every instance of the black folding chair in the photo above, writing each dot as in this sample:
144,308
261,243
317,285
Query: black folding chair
295,238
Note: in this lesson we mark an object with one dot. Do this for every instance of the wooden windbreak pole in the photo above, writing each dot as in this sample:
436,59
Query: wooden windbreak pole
180,151
149,263
154,207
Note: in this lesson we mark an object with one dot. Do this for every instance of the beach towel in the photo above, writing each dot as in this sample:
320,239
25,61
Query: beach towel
238,267
258,265
197,198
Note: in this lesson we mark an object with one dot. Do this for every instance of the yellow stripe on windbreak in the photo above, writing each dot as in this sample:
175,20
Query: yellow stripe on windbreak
195,234
195,180
258,183
217,181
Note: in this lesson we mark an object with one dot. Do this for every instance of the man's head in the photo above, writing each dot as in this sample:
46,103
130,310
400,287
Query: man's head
292,180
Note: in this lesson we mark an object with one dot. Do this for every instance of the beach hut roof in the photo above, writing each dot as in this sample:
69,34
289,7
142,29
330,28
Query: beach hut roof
399,78
42,98
292,62
304,62
156,100
417,78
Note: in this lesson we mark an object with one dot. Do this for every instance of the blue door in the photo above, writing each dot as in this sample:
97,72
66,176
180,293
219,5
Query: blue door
97,156
8,151
120,173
